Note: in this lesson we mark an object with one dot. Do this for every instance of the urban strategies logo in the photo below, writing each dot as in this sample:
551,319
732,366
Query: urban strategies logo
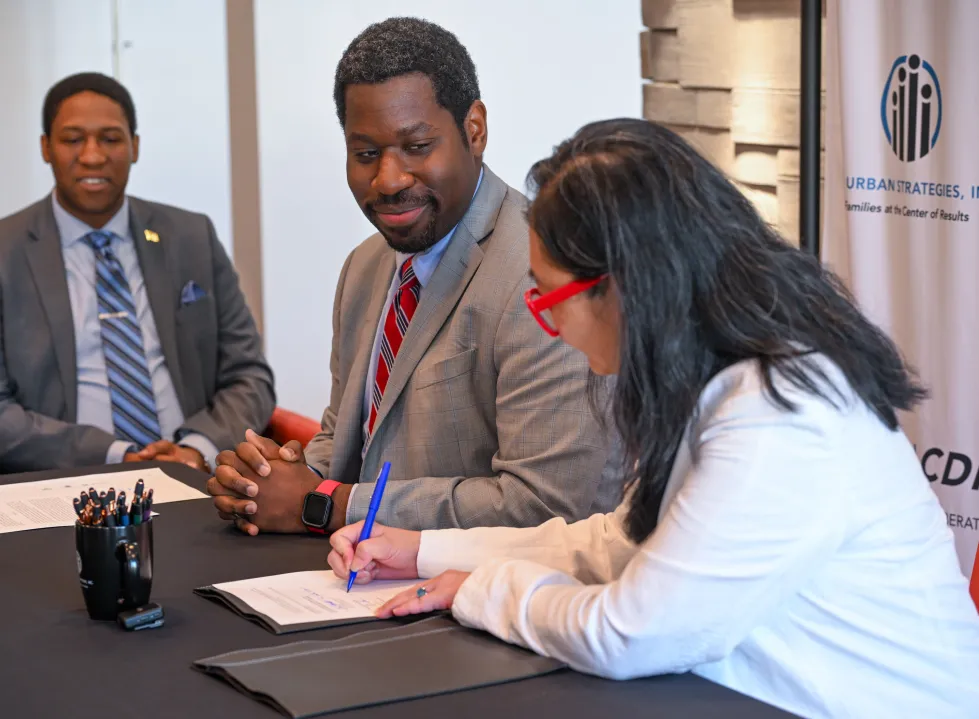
912,113
911,108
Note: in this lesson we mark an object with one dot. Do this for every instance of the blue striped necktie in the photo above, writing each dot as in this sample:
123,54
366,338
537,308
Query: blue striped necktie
133,402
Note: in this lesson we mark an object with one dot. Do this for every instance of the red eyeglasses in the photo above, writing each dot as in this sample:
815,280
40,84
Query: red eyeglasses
540,305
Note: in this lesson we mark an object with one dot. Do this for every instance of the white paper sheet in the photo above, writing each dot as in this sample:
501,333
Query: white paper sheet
37,505
319,596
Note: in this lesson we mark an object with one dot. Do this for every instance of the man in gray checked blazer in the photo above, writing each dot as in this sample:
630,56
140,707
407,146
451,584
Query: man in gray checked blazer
123,333
484,418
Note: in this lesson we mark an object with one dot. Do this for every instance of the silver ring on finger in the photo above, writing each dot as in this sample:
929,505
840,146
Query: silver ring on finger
421,592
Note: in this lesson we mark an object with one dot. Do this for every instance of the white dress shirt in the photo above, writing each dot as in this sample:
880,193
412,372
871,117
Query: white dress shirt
94,399
801,558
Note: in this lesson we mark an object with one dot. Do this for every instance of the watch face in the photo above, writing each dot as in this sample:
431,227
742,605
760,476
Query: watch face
316,510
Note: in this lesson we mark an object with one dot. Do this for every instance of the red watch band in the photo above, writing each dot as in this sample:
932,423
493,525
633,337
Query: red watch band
327,487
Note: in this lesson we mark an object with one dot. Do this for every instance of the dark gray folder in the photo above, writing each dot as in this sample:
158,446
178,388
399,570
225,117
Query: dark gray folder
433,656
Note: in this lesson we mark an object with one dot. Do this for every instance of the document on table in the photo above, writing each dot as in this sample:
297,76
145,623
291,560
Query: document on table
37,505
304,600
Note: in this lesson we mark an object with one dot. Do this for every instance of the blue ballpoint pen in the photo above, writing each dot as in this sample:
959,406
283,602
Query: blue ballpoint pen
365,533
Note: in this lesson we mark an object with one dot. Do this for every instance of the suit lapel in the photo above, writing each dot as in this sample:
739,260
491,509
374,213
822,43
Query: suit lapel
157,265
48,268
445,289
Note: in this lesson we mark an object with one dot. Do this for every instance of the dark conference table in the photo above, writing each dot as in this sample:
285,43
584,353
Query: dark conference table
56,662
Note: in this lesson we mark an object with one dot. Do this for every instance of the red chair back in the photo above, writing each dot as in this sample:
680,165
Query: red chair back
974,586
286,425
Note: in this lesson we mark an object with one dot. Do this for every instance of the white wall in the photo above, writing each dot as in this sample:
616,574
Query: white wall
41,41
173,60
545,67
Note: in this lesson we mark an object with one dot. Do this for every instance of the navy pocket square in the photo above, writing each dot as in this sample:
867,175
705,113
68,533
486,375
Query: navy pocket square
191,293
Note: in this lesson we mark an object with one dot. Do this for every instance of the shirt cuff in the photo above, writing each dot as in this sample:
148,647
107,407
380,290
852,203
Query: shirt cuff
350,504
442,549
496,596
203,445
117,451
359,504
470,606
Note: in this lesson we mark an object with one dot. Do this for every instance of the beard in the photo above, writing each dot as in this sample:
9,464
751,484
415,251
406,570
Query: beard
409,240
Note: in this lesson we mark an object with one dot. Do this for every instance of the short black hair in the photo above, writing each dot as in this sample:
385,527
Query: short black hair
87,82
404,45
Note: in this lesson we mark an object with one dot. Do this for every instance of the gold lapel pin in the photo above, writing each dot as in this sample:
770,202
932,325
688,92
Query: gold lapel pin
151,236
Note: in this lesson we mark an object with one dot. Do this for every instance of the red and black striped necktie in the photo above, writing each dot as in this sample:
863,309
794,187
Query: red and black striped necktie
396,322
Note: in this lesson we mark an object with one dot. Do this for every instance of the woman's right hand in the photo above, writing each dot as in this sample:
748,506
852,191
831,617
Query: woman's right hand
388,554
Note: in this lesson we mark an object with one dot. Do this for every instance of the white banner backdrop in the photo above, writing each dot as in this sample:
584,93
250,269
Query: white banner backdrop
901,213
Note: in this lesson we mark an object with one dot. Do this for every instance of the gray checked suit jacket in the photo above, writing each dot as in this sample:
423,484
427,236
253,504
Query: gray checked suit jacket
212,347
485,418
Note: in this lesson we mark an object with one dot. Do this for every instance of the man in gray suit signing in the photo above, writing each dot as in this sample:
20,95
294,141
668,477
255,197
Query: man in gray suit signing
438,367
123,333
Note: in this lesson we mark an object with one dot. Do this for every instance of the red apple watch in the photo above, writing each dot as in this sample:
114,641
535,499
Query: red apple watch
318,506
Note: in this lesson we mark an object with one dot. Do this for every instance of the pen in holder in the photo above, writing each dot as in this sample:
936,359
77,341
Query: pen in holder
115,567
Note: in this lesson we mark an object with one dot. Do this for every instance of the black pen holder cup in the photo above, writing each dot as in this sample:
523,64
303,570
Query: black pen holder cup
115,567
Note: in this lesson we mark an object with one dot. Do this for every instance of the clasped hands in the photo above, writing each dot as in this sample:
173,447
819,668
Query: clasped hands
261,486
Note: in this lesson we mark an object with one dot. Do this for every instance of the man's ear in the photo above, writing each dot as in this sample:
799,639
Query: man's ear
46,149
135,148
475,127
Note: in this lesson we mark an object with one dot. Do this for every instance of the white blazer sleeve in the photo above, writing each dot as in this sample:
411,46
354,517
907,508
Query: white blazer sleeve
594,550
756,516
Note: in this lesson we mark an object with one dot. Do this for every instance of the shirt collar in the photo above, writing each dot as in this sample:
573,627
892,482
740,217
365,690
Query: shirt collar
72,229
424,263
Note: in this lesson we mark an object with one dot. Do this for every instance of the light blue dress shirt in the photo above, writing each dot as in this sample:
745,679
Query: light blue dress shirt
94,400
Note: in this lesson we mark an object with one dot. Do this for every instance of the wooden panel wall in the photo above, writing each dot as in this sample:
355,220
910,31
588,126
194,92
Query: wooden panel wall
725,75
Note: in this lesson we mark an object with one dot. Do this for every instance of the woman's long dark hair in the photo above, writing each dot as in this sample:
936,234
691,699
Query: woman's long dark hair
703,282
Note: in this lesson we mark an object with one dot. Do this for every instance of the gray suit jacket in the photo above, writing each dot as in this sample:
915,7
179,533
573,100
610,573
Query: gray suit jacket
485,418
212,347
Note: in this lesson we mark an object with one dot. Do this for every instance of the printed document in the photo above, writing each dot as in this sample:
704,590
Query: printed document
37,505
319,596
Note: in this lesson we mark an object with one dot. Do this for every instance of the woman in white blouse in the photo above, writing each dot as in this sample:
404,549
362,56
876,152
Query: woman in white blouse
777,535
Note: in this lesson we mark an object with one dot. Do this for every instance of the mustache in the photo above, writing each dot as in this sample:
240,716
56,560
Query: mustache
401,202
